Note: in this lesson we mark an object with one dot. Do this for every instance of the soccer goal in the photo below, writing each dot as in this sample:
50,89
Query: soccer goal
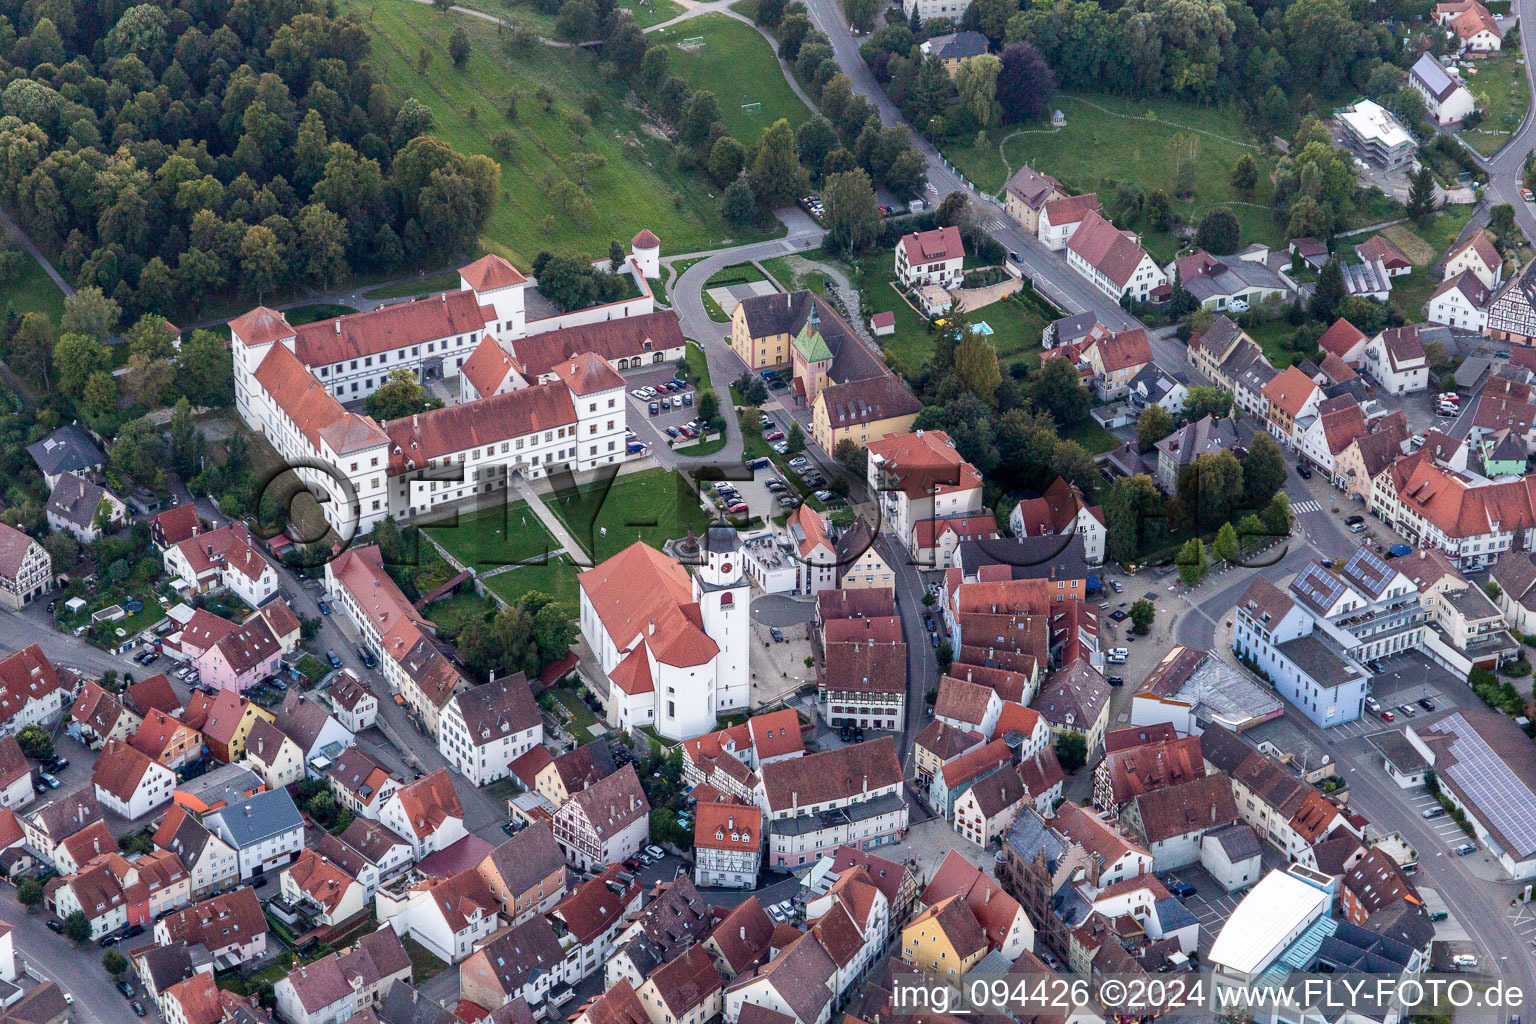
751,108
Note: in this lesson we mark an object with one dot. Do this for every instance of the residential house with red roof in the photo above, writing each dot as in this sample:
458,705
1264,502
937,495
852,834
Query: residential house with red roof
96,717
1171,821
1396,359
688,990
405,643
1283,809
322,887
1004,924
921,478
798,985
727,846
484,729
166,740
1129,771
241,658
1461,301
931,257
231,927
129,783
965,771
211,863
197,1000
175,525
353,702
1339,423
1113,261
26,569
1476,30
225,719
222,559
32,690
1061,216
1478,255
360,783
449,916
863,683
1060,512
741,940
673,644
1380,250
272,755
595,912
605,823
1293,401
427,813
315,993
526,874
862,782
1116,359
988,806
816,561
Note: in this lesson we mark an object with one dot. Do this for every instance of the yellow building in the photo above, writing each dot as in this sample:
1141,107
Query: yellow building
945,940
763,328
859,565
862,411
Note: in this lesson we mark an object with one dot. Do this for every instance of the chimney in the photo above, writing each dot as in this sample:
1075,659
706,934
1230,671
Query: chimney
338,325
743,933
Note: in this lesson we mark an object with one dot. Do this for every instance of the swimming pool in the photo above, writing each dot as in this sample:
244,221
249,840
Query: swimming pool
981,328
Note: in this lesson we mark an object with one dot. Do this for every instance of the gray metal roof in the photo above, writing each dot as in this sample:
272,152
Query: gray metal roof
260,817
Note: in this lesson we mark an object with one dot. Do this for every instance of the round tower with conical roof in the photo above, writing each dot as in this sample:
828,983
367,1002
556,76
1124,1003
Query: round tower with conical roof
646,249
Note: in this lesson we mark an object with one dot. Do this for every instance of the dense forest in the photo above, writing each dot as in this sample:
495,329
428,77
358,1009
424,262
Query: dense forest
168,152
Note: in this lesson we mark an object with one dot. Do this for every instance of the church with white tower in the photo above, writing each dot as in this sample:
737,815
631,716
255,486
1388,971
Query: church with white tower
673,644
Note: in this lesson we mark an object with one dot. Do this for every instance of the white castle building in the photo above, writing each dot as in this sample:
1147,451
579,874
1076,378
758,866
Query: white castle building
546,392
673,645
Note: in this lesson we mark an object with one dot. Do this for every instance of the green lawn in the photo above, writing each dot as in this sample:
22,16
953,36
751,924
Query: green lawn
739,273
426,284
739,67
424,966
637,185
1016,328
1092,437
32,291
556,578
653,506
1098,148
451,614
1410,293
651,12
499,536
299,315
911,343
1500,89
1272,336
779,268
578,717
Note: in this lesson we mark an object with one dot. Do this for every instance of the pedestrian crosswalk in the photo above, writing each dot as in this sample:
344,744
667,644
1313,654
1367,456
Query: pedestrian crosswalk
995,224
1306,506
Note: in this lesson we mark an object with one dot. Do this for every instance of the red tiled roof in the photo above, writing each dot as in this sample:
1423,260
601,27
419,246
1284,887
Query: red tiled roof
455,428
491,272
1114,253
1123,350
933,246
1340,338
643,595
260,326
487,366
1071,209
728,827
1290,390
588,373
775,734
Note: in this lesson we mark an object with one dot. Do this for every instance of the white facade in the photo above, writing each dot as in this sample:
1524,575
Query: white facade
1399,376
1327,701
1138,284
154,790
482,758
1452,308
926,9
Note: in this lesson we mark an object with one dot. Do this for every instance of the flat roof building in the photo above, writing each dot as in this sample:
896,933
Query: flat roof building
1375,135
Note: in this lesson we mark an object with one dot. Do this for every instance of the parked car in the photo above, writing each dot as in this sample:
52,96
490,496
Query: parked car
1436,811
1525,194
656,851
1352,520
777,634
1426,704
825,495
1408,710
1182,890
1464,849
331,657
1115,680
55,925
138,1008
50,780
325,609
773,435
1303,471
788,502
781,448
1372,704
126,988
1387,716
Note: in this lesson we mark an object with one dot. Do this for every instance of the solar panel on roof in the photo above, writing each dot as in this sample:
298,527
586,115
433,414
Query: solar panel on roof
1498,793
1317,585
1369,568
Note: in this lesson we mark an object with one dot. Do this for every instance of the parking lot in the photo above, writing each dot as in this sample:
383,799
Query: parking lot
1211,904
652,430
1405,680
1442,825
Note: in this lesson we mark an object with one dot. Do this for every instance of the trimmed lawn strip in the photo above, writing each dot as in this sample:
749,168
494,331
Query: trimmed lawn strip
299,315
1092,437
578,717
452,614
33,291
739,67
424,966
424,285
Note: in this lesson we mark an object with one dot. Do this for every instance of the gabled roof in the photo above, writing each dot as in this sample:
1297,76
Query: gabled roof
1194,806
1033,188
830,775
620,338
497,709
597,904
611,804
1481,245
119,769
429,802
640,588
1290,391
936,246
75,500
490,272
1340,338
1114,253
742,934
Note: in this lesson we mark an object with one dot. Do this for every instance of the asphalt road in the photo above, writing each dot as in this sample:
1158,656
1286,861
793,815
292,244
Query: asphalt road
1481,905
1504,169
